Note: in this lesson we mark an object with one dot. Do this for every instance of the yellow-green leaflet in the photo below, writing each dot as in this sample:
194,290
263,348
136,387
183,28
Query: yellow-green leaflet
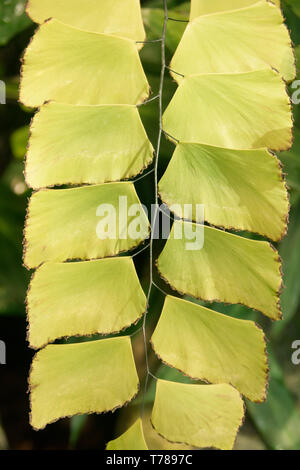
155,440
213,347
240,189
228,268
132,439
83,223
246,43
118,17
52,68
204,7
199,415
71,299
86,144
232,111
90,377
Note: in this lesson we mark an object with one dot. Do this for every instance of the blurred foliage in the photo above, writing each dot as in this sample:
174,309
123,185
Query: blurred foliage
290,254
274,424
18,142
278,420
12,19
295,6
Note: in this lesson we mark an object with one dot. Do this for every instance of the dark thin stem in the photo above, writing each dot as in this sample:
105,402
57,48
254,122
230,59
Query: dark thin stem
174,71
141,250
160,101
176,19
149,42
153,376
143,176
174,217
170,216
136,332
160,289
148,101
171,137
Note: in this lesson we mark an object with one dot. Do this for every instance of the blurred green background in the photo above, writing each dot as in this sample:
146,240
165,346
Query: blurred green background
272,425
